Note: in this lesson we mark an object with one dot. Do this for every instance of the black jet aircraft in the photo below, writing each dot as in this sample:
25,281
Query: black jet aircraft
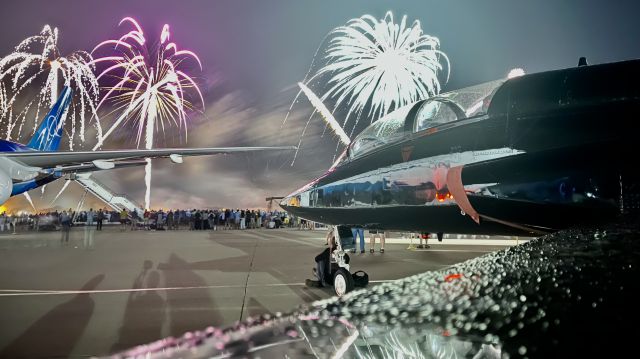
523,156
531,154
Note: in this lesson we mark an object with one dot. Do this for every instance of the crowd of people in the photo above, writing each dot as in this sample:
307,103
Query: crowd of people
190,219
48,220
212,219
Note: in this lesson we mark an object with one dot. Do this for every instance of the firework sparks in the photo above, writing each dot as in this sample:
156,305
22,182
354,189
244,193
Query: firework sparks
380,65
28,197
37,61
152,89
64,187
326,114
4,100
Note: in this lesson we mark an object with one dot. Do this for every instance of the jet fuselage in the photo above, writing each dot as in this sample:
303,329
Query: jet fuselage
524,156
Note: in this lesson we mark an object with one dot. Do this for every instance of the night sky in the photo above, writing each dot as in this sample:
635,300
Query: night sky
255,51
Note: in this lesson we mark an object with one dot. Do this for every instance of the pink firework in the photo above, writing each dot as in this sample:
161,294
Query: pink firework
152,88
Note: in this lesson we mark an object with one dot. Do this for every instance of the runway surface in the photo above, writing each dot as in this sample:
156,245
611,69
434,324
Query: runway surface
126,288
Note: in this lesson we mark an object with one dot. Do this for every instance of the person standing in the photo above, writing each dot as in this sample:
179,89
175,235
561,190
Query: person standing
236,219
123,219
170,220
145,219
372,243
252,219
424,236
65,223
358,231
197,218
99,219
90,215
216,220
14,222
211,220
160,218
189,215
178,218
134,219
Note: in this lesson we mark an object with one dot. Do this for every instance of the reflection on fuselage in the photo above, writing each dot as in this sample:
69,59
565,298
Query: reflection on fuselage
419,182
424,182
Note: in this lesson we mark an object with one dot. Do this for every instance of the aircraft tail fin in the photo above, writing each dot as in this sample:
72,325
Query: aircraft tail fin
49,133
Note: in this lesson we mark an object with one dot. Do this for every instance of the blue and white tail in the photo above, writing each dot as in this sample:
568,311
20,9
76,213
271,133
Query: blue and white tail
49,133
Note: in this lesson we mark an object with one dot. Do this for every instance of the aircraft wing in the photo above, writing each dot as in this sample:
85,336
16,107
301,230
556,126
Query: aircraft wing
62,159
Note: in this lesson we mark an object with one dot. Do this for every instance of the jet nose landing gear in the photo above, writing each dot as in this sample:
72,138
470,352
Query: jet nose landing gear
333,265
342,278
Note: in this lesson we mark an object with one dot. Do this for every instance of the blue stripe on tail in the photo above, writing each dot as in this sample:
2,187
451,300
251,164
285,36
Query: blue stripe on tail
49,133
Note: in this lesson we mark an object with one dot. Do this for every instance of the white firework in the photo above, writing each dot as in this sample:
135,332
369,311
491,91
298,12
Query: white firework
326,114
380,65
28,197
3,98
37,62
151,87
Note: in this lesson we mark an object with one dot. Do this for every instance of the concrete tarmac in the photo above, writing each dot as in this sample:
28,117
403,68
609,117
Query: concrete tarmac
110,290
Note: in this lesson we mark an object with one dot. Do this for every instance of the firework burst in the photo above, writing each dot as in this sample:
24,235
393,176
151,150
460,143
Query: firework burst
152,89
37,61
379,65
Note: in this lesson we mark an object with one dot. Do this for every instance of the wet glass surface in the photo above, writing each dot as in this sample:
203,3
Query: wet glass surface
571,293
387,129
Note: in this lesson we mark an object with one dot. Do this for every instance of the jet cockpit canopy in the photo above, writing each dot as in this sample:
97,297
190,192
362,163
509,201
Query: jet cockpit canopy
387,129
455,105
444,108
